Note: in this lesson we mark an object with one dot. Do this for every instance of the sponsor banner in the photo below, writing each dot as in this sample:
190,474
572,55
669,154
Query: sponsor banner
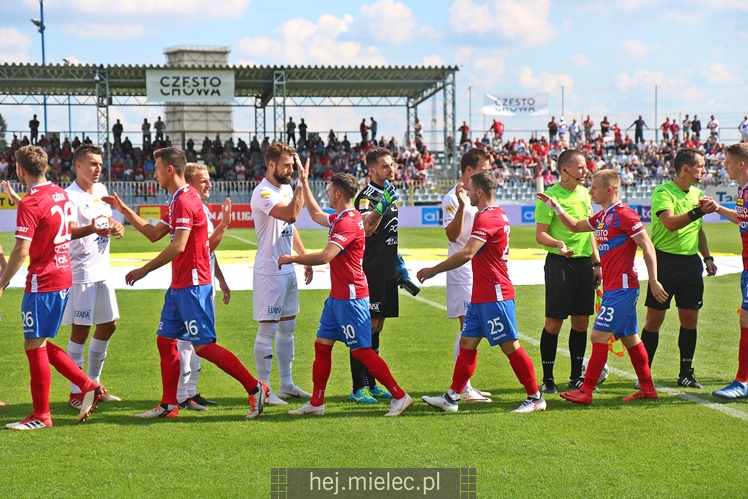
528,215
431,215
241,215
515,104
6,203
189,85
721,193
152,213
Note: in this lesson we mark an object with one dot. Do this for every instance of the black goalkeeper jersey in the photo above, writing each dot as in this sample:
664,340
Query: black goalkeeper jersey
380,255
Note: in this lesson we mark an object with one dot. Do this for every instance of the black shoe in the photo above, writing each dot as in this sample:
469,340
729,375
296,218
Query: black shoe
203,401
689,381
549,386
577,383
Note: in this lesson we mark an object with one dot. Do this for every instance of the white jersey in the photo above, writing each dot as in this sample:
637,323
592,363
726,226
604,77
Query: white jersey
274,236
210,233
463,274
89,256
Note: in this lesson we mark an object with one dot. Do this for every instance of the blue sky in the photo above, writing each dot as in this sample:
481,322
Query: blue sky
608,55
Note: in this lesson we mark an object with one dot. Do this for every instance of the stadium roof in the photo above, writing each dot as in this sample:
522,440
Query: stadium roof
415,83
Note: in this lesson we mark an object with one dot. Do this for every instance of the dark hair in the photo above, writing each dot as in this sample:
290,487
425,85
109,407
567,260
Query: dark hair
84,149
472,157
372,157
174,157
685,156
566,157
345,184
33,160
276,150
486,182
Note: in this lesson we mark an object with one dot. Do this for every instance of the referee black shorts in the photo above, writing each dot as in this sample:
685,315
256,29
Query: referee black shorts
569,286
383,299
681,276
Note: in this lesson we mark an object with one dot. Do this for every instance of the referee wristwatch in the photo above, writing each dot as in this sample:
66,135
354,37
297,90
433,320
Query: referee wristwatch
708,258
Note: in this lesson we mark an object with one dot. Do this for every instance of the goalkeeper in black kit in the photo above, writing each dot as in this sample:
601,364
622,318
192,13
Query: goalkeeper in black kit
383,268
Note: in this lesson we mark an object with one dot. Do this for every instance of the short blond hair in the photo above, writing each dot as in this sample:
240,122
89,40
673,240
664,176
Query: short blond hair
192,168
609,178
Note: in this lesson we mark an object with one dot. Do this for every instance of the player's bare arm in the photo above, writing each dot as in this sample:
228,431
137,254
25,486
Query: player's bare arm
15,262
220,230
711,268
729,214
570,222
454,229
642,240
152,232
320,258
10,192
3,261
543,238
298,247
223,284
174,249
456,260
315,212
86,230
597,269
372,218
289,213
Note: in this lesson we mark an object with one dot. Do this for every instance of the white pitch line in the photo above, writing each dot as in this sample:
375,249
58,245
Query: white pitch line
727,410
241,239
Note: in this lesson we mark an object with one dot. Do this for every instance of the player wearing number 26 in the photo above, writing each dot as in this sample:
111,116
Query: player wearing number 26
491,313
618,230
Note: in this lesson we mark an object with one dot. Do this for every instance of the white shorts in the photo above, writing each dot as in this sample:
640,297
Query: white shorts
458,299
275,296
91,303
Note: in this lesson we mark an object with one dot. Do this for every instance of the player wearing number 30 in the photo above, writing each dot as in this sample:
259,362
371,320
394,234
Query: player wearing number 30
618,230
345,316
491,313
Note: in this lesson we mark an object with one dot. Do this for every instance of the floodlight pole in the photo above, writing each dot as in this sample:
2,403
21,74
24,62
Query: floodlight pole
39,23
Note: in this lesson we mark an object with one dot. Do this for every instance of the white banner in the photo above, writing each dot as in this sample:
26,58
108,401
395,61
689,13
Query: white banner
514,104
189,85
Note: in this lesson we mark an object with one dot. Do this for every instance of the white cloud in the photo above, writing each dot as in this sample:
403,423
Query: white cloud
548,82
717,73
174,8
640,79
120,31
429,33
433,60
302,42
389,21
635,48
525,22
14,46
580,60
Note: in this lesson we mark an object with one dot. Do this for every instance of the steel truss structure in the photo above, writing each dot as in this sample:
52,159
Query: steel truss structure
277,87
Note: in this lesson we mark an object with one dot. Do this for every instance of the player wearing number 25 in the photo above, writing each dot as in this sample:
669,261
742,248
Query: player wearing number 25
618,230
491,313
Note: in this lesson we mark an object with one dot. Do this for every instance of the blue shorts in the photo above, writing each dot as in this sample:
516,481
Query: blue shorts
744,288
41,313
617,313
495,321
348,321
188,315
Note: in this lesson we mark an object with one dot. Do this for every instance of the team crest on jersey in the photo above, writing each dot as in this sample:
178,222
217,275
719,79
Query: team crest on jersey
450,209
374,306
739,201
265,194
609,219
364,204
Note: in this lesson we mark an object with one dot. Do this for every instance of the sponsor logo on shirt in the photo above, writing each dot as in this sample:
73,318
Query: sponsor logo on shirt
274,310
450,209
265,194
183,220
83,314
374,306
637,226
22,230
339,237
481,233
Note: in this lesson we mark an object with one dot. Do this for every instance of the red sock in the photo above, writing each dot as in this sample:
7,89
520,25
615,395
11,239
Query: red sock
321,372
228,363
524,370
464,369
61,361
378,368
41,378
167,350
596,365
640,361
742,375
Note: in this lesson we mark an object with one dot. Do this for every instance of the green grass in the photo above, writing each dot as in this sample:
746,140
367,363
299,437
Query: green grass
671,447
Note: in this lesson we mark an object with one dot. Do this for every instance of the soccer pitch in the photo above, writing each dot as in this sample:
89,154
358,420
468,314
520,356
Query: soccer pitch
685,444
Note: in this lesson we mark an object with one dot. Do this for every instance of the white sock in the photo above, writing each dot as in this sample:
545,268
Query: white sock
75,351
264,350
194,374
186,352
96,355
457,354
284,346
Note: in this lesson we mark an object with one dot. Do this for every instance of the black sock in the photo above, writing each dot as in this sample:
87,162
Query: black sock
358,373
371,382
548,346
650,340
577,348
687,345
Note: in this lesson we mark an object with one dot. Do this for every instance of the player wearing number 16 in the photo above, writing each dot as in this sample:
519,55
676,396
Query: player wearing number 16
188,304
491,313
618,230
43,232
345,316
